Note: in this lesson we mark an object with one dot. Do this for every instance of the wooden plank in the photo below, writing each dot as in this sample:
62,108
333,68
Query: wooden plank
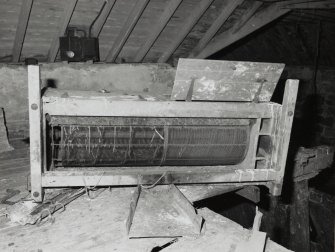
86,178
127,28
284,131
34,95
299,214
226,80
21,29
303,4
65,20
103,107
227,38
220,20
157,29
193,18
97,27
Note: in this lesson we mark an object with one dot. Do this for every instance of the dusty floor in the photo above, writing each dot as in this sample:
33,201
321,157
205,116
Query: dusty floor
99,224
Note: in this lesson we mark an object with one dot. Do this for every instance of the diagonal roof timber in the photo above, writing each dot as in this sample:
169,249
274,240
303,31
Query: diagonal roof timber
260,19
67,14
213,29
21,29
193,18
127,28
97,27
157,29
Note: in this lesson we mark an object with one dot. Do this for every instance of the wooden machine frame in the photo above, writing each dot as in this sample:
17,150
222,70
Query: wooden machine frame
271,119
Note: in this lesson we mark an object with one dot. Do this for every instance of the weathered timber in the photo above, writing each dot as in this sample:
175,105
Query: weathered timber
284,132
127,28
308,4
21,29
157,29
97,27
225,39
35,131
69,7
197,12
213,29
226,80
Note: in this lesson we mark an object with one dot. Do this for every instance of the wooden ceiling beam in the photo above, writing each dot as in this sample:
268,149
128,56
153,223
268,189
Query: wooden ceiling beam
220,20
157,29
309,5
127,28
260,19
97,27
190,22
66,17
21,29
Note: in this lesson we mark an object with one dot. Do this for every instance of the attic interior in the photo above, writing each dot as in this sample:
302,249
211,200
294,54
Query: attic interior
167,125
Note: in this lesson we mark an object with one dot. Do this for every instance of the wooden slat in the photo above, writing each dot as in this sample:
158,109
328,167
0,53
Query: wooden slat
185,29
35,131
21,29
224,15
227,38
102,19
225,80
284,132
127,28
309,5
157,29
65,19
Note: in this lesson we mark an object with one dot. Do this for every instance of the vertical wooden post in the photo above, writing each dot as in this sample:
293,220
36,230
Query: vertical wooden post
34,95
284,132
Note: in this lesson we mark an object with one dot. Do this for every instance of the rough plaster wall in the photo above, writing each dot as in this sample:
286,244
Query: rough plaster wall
148,78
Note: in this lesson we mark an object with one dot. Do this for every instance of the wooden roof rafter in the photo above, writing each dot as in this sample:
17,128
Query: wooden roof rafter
237,32
67,14
169,10
311,4
21,29
97,27
213,29
126,30
191,20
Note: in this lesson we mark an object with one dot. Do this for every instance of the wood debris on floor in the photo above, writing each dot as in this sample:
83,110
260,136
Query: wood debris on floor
99,225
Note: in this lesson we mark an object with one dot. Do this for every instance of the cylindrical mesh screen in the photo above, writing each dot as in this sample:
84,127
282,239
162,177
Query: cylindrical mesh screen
148,145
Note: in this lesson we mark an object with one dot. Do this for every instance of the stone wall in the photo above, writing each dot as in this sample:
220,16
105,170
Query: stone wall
314,122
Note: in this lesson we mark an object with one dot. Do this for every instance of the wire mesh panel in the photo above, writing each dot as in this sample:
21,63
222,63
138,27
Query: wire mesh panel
152,142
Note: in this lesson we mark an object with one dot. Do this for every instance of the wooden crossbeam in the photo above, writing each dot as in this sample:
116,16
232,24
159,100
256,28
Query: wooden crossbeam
309,5
192,19
127,28
102,19
157,29
260,19
224,15
21,29
66,17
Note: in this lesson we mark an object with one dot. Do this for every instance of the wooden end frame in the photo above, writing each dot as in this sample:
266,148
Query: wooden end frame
34,101
283,133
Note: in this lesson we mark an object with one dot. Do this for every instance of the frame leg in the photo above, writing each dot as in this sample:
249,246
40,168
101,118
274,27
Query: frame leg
35,134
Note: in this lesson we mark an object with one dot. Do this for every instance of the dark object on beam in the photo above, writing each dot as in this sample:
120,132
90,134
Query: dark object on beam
75,47
30,61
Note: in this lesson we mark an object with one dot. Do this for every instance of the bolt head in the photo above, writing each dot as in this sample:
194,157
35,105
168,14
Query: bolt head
34,106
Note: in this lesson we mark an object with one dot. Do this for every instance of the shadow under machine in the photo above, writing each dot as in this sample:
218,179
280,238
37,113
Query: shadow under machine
218,127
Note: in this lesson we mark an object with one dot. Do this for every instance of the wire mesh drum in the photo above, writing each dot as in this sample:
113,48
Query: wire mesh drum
119,141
